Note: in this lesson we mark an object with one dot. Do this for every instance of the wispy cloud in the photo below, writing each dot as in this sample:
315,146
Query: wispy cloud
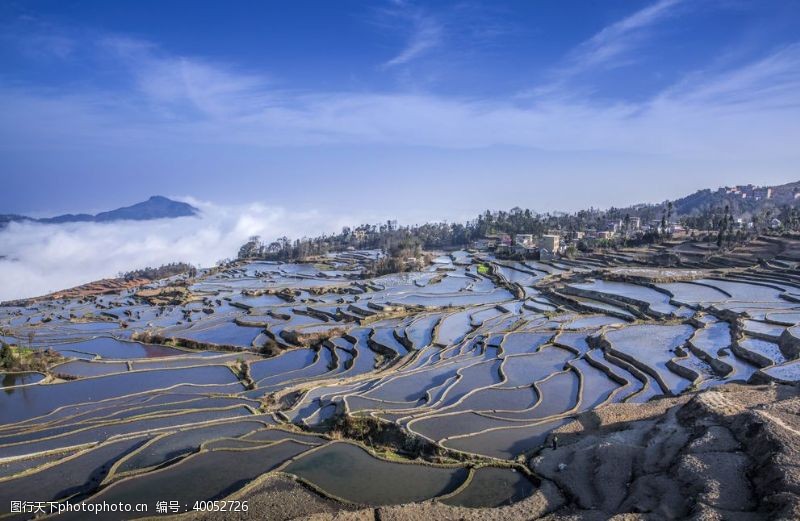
611,47
425,33
37,39
614,41
746,111
769,83
749,110
188,82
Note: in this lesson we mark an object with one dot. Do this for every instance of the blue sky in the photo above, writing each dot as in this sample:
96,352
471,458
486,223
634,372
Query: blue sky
411,110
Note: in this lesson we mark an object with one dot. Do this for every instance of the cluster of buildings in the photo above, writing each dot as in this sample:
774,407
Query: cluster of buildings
742,224
553,244
633,226
526,245
756,193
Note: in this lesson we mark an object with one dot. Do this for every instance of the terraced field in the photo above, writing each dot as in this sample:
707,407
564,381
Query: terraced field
436,385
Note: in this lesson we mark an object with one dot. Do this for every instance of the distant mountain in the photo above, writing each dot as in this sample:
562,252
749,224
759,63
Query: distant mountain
157,207
10,218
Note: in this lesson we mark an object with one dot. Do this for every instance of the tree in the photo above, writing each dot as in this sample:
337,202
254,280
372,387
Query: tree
6,355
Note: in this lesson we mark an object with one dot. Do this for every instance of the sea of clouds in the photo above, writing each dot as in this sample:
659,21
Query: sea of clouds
41,258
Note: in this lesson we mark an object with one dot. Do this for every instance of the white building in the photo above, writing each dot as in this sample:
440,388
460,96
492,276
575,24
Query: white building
550,243
525,239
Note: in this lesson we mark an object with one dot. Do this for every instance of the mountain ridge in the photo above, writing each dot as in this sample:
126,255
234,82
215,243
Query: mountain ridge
739,196
156,207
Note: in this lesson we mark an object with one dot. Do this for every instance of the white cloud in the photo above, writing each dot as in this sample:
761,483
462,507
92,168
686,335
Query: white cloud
620,37
213,90
748,112
769,83
609,48
425,33
41,258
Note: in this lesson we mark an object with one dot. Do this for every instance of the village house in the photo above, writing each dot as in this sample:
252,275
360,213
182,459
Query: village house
524,239
676,229
762,193
550,243
748,191
499,239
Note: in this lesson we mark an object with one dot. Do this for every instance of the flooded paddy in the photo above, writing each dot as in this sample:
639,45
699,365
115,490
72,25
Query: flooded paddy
493,487
349,472
761,352
84,368
694,293
652,299
507,442
228,334
73,475
112,348
204,476
280,354
172,445
524,370
519,343
32,401
652,347
8,380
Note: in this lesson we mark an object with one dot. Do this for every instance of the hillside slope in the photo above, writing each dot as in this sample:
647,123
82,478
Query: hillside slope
707,199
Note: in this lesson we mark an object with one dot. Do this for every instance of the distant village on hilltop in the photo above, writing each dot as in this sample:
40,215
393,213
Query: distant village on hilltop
726,216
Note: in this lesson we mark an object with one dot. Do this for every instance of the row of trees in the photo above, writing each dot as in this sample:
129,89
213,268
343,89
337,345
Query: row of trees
162,272
387,237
